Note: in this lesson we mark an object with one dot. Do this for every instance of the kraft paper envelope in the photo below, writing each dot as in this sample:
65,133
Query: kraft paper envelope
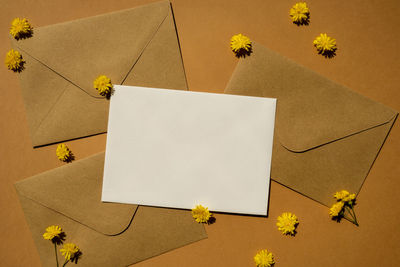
326,136
108,234
177,149
137,46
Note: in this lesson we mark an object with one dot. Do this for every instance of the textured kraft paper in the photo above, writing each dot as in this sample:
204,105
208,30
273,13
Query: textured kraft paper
367,61
326,135
137,46
108,234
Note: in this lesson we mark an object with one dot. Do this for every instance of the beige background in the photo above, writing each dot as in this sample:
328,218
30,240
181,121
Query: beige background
367,61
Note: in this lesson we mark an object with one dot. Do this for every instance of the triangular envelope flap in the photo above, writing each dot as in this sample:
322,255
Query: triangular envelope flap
109,44
311,109
56,125
75,191
40,94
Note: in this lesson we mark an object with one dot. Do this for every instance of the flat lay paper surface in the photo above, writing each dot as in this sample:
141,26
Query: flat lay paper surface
366,62
69,196
137,46
328,134
177,149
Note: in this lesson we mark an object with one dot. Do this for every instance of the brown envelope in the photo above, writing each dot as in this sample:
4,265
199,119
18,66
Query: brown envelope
326,136
108,234
137,46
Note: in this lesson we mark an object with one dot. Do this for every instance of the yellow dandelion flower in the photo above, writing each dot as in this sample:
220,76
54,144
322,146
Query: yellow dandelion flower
63,153
240,45
344,196
287,223
336,209
69,251
201,214
349,198
346,202
239,42
325,44
300,13
103,85
264,259
14,61
20,28
341,194
53,231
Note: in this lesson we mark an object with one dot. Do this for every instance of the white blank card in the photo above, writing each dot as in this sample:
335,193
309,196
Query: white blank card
172,148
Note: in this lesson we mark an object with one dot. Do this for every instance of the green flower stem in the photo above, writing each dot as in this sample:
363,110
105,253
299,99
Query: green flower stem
349,212
352,215
65,263
347,218
355,217
55,250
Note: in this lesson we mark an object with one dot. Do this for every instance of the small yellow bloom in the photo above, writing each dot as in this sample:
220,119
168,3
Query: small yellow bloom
344,196
103,85
53,231
349,198
201,214
20,28
63,153
287,223
341,194
300,13
69,251
264,259
346,202
240,44
325,44
336,209
14,61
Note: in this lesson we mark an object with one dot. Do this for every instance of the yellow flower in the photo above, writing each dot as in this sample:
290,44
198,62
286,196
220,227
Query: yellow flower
201,214
325,44
349,198
346,202
344,196
69,251
240,44
14,61
336,209
264,259
20,28
63,153
299,13
287,223
341,194
53,231
103,85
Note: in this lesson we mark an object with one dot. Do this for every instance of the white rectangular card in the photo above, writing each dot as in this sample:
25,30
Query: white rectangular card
178,149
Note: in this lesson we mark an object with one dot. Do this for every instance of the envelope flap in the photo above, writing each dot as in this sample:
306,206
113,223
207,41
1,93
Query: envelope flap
109,44
307,111
74,190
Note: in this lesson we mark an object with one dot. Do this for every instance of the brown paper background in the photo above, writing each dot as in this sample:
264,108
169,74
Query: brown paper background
367,61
